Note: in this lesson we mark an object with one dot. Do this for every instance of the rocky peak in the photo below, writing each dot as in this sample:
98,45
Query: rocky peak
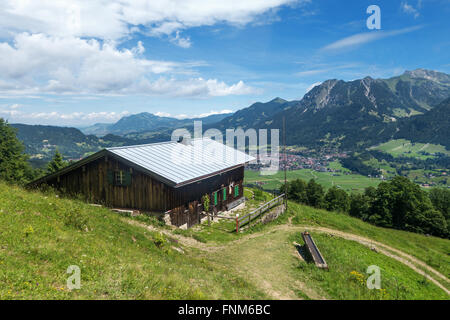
429,75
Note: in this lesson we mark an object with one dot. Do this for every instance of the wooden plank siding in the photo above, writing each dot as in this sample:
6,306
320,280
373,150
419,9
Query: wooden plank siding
145,192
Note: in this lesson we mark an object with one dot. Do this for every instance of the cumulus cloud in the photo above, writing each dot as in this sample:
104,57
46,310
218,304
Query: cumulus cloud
180,41
66,117
76,46
193,87
39,63
115,19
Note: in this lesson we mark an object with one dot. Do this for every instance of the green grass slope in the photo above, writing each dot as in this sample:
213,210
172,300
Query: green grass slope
348,182
404,148
433,251
41,235
266,256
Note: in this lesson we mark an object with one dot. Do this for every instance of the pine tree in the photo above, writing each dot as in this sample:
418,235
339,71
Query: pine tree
14,165
56,163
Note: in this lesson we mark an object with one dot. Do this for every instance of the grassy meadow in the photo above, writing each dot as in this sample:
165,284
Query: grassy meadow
348,182
41,235
122,257
404,148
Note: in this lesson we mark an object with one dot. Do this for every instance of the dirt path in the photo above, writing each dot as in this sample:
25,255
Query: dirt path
424,147
185,241
265,259
254,261
382,248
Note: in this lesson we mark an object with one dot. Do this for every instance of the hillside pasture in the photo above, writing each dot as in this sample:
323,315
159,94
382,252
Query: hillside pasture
405,148
123,257
346,181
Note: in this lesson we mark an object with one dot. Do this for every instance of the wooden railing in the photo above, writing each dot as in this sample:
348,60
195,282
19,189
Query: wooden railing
241,221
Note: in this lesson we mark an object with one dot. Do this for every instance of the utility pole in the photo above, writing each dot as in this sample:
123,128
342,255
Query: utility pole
285,164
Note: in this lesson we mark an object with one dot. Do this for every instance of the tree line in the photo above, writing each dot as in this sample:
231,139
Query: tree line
399,204
14,165
357,162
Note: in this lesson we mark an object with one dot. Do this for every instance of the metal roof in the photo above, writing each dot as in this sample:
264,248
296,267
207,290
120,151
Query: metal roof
180,163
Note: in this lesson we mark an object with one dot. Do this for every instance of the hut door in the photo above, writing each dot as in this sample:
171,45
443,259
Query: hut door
193,214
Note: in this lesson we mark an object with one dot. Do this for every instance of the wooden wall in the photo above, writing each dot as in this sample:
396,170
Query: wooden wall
144,193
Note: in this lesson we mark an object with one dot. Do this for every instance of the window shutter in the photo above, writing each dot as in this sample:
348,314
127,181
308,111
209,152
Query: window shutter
224,194
110,176
236,191
215,198
127,179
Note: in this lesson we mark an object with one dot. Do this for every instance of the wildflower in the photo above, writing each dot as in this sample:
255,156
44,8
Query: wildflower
28,230
357,277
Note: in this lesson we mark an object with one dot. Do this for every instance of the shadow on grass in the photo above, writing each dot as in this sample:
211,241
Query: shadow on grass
304,253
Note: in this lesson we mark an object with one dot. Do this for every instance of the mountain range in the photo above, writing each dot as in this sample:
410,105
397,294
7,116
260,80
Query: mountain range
431,127
145,121
348,115
353,114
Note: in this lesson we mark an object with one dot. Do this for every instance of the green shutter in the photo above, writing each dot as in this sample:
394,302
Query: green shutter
236,191
127,179
224,194
215,198
110,176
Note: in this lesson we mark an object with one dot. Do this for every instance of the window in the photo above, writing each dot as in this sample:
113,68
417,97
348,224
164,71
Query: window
119,178
236,191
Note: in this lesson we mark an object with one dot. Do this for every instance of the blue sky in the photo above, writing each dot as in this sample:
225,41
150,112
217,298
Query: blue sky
79,62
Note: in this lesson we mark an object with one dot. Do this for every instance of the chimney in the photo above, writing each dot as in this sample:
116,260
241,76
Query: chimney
184,140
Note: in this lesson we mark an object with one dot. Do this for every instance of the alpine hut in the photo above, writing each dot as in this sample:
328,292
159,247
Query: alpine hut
170,178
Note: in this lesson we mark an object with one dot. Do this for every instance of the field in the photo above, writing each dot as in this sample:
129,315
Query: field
41,235
268,258
348,182
404,148
123,257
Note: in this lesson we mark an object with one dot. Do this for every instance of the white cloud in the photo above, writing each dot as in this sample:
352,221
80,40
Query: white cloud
312,86
74,46
180,41
409,9
193,87
362,38
184,116
9,113
71,60
66,117
107,19
38,63
203,115
326,69
164,114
